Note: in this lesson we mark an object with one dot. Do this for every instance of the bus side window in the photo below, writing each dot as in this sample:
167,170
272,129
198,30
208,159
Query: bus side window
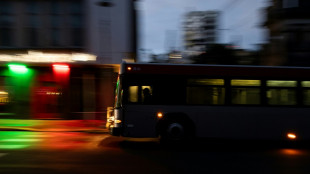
133,92
281,92
245,92
205,91
147,97
306,92
140,94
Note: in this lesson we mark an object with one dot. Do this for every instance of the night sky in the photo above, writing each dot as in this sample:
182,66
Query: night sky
161,22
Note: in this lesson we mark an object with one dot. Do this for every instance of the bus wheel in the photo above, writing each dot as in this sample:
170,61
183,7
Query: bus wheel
174,131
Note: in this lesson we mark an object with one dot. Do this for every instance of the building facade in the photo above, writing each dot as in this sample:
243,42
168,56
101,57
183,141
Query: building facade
71,26
288,22
200,30
59,58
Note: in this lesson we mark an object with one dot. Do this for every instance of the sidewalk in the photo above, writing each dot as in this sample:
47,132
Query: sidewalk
90,126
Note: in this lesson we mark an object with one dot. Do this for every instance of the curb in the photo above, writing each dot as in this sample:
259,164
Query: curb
99,131
17,129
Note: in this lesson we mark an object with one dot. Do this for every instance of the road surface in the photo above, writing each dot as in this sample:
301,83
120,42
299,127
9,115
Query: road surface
77,152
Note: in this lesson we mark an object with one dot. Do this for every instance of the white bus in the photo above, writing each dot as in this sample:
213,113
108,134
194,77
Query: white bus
177,102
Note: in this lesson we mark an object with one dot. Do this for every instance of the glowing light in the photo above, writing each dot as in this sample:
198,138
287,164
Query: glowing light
3,93
61,74
37,56
83,57
291,152
19,140
13,146
118,121
129,68
175,56
18,68
52,93
61,67
160,115
291,136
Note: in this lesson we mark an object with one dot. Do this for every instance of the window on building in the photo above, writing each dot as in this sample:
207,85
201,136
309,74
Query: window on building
245,92
32,36
6,7
6,24
56,21
33,7
205,91
77,37
76,7
34,20
281,92
55,7
290,3
6,37
4,93
209,27
55,37
76,21
6,20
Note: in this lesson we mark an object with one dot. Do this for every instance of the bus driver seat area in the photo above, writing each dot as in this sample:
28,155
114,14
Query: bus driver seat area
147,96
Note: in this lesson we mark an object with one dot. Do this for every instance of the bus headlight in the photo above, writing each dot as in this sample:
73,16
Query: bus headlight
117,118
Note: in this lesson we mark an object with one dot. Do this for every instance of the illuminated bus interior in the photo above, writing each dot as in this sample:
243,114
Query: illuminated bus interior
216,91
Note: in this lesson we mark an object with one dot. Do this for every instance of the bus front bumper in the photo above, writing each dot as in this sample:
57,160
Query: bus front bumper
115,131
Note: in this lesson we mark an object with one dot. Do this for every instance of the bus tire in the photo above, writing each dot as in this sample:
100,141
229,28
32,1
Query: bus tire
174,131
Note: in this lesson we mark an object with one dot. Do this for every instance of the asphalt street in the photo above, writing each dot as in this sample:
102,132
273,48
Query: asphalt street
78,152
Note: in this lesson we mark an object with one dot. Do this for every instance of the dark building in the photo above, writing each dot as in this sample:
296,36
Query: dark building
59,58
288,22
200,30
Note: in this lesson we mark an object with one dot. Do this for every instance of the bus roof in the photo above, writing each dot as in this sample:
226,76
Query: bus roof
216,70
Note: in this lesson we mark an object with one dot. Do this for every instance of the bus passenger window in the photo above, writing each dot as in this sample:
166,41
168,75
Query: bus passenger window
146,94
133,94
281,83
245,92
306,97
206,91
245,96
306,92
281,96
281,92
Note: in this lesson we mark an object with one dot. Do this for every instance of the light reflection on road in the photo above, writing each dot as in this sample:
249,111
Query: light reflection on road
49,140
292,152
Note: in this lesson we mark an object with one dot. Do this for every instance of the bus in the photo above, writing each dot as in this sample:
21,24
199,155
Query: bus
176,102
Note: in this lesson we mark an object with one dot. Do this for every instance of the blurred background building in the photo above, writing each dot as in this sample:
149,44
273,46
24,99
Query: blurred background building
104,29
288,22
60,58
200,30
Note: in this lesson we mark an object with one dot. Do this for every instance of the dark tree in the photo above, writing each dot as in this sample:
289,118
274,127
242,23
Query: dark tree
216,54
